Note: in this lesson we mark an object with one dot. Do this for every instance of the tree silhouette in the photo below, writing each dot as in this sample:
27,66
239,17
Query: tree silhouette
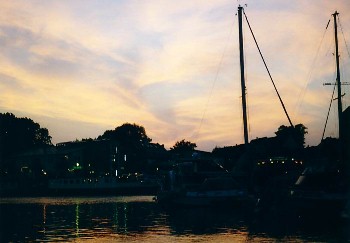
131,141
295,134
19,134
183,146
128,134
16,136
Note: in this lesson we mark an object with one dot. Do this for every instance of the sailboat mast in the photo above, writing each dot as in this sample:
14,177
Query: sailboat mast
241,58
340,108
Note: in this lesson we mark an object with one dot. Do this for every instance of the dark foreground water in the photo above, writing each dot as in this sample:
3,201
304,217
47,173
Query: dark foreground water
139,219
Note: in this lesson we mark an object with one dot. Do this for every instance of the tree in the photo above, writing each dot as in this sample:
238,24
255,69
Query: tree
183,146
18,134
295,134
128,134
131,141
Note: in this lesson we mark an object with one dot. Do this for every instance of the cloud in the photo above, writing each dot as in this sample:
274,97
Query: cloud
170,66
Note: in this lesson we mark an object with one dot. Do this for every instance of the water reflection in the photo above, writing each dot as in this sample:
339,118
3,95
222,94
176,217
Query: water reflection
140,219
77,220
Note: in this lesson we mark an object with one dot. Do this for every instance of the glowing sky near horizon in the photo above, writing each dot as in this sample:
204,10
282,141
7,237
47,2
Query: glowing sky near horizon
80,67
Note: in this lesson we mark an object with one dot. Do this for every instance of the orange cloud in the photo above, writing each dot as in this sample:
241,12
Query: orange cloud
170,66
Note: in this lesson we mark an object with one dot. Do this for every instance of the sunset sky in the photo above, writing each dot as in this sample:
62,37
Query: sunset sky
81,67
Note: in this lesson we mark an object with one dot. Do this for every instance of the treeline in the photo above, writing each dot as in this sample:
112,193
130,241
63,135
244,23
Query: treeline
26,149
126,149
19,134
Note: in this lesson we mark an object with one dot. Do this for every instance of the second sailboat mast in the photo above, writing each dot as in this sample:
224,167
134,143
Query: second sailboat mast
241,57
338,82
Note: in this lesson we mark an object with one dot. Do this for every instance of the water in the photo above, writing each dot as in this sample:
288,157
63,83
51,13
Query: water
139,219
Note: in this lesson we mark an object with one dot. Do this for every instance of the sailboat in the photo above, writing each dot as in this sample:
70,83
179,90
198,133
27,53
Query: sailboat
203,183
222,188
324,189
210,189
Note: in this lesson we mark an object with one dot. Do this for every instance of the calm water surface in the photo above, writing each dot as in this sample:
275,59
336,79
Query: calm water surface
136,219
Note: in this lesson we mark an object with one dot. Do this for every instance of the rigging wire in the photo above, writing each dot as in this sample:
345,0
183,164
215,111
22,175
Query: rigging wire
341,59
302,94
331,101
268,71
346,84
341,28
329,109
214,82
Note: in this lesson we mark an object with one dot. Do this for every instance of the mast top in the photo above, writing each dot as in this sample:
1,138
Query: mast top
335,13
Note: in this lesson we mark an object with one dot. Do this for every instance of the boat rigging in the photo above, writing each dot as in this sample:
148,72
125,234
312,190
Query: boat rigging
243,87
337,84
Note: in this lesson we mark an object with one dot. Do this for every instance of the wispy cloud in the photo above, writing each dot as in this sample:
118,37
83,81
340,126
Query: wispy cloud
170,66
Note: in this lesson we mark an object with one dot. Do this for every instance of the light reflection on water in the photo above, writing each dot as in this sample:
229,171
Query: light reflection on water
135,219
